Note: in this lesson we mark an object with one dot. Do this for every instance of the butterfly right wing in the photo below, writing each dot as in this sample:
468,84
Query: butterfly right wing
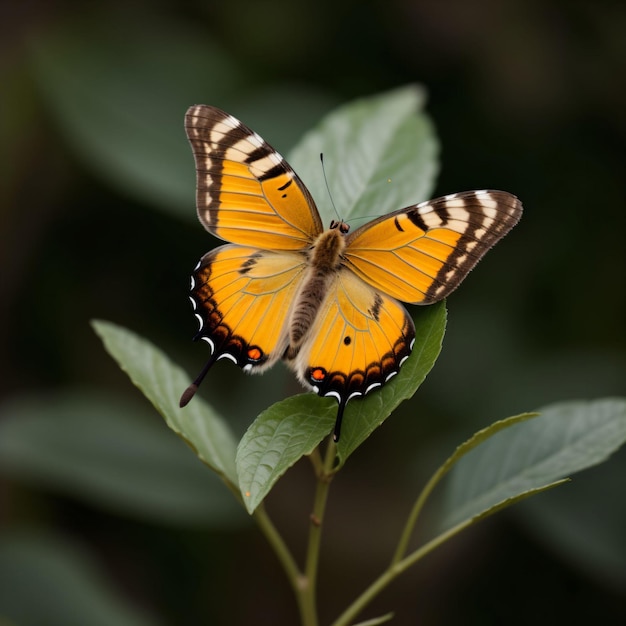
422,253
241,297
246,192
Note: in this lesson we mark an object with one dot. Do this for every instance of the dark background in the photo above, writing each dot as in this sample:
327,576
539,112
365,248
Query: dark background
98,221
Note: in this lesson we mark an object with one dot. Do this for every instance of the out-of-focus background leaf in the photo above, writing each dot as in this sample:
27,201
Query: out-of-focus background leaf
98,220
111,454
44,580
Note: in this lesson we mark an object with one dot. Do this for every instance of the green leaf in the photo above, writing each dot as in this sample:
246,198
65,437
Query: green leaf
503,504
110,454
294,427
380,155
120,93
275,441
46,582
565,439
480,437
162,383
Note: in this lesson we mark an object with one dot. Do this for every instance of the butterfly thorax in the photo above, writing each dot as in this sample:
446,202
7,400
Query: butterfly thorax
325,254
324,259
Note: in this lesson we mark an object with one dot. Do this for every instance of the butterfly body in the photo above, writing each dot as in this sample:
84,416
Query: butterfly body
323,260
324,301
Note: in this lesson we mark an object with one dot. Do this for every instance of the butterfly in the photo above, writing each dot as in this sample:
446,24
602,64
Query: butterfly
325,301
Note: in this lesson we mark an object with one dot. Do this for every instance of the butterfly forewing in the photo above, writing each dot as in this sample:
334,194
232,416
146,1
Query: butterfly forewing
422,253
246,192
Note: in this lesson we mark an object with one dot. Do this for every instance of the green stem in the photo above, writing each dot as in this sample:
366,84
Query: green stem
324,477
460,451
295,577
316,461
393,571
304,584
407,532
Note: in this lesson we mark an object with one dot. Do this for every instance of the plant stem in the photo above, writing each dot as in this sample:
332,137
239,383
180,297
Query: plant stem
295,577
324,477
443,469
304,584
397,568
394,570
405,537
316,461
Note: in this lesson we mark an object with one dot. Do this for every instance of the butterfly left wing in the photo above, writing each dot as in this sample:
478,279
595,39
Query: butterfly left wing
422,253
241,297
359,340
246,193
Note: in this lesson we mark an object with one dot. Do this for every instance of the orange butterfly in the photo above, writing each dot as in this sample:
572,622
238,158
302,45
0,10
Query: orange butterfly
324,301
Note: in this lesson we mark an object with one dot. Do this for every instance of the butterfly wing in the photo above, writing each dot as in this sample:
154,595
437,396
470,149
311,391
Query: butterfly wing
246,192
422,253
241,297
359,340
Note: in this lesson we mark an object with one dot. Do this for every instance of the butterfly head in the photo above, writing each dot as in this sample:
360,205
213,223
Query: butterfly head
343,228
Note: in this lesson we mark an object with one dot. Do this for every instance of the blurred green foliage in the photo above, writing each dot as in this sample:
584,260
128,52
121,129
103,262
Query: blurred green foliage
98,220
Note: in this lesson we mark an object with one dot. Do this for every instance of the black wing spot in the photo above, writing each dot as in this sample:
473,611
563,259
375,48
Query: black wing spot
347,340
249,263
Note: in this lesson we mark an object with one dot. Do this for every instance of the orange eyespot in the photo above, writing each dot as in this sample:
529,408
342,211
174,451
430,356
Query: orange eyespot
318,374
254,354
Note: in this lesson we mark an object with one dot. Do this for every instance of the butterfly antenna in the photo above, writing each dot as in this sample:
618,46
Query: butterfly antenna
190,392
330,195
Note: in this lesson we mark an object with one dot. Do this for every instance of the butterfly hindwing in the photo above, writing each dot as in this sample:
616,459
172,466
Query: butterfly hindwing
242,296
422,253
359,340
246,192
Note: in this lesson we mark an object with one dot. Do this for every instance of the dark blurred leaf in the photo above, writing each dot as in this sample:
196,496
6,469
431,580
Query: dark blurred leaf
162,383
380,155
45,582
565,439
281,113
119,93
110,454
